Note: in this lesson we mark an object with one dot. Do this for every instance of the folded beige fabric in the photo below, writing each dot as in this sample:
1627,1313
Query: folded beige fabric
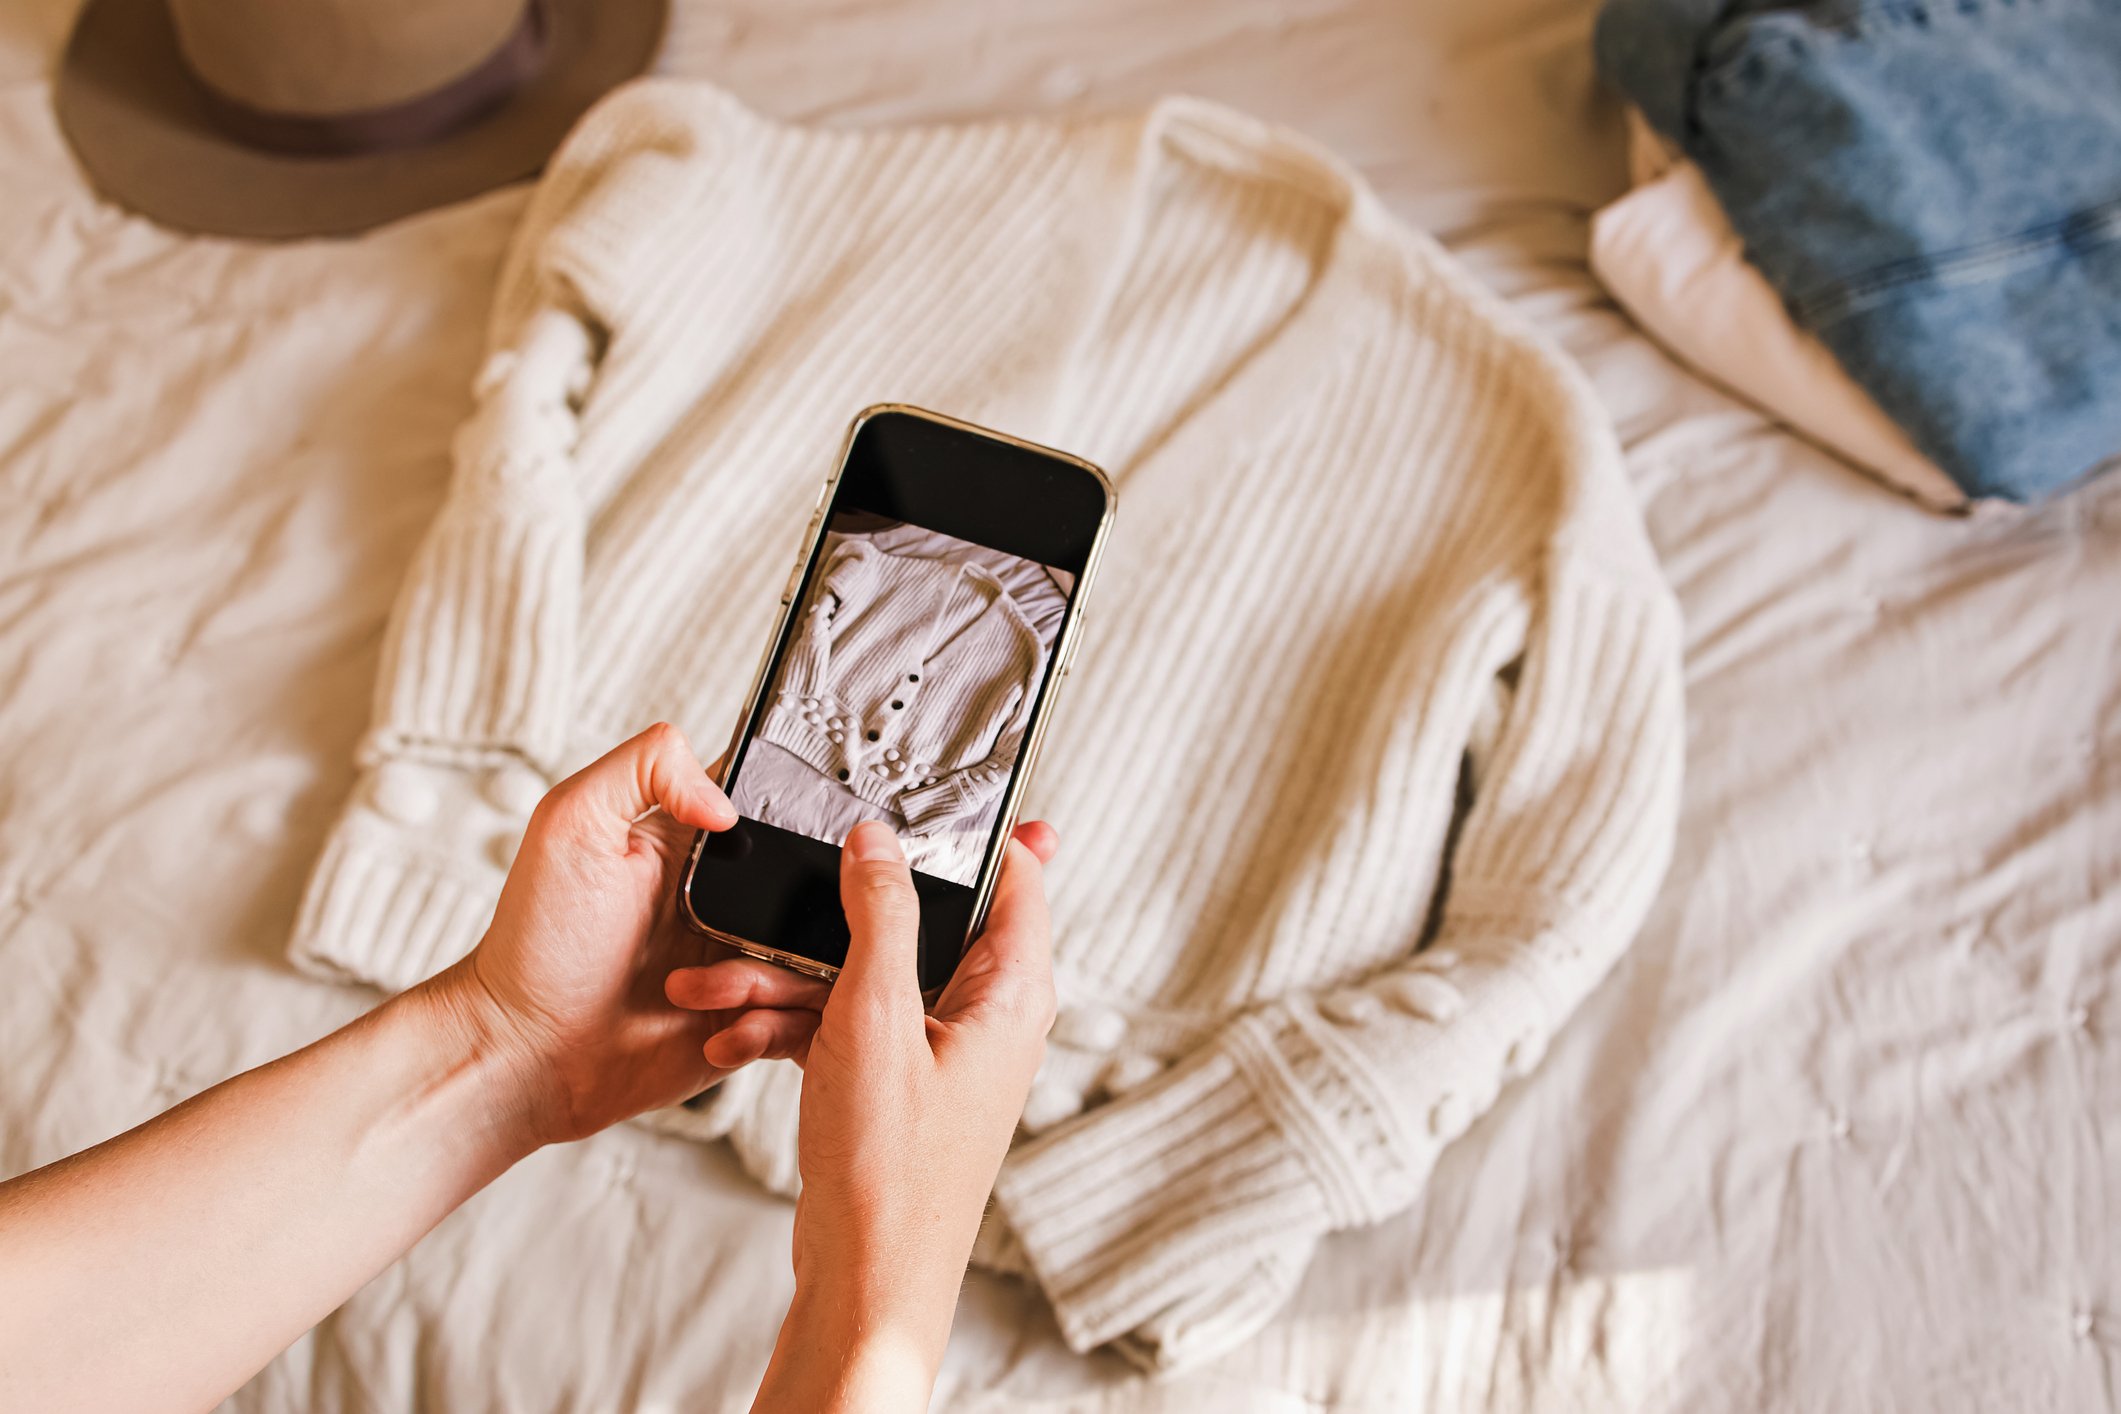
1355,492
1669,256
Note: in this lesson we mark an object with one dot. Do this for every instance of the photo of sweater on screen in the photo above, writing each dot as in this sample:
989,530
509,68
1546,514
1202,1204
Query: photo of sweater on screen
906,692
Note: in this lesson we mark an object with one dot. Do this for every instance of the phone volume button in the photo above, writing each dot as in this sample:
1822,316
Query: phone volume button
1075,643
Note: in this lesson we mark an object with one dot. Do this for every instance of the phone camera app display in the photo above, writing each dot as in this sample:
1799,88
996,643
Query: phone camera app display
905,692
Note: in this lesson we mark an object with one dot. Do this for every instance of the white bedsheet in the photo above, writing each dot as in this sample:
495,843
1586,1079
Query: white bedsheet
1844,1132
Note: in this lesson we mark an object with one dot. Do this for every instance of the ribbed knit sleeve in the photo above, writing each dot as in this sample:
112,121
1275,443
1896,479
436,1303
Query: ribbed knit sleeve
850,575
479,658
474,709
963,793
480,655
1168,1215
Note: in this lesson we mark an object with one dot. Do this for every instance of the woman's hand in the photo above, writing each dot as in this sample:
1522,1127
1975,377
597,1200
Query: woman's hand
905,1120
567,985
161,1268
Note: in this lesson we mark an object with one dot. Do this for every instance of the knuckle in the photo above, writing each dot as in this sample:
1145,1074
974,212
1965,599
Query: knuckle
884,896
890,916
1041,1007
1030,1004
878,878
558,810
659,744
872,1016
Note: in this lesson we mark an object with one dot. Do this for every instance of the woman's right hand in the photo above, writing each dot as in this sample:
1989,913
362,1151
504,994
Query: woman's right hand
906,1117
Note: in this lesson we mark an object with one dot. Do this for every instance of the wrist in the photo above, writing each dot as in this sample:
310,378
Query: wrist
482,1066
839,1350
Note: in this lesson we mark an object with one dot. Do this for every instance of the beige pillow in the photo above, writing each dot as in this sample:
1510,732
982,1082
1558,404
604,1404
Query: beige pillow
1669,256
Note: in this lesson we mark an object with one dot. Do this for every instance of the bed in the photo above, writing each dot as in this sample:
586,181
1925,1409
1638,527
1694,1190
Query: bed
1842,1132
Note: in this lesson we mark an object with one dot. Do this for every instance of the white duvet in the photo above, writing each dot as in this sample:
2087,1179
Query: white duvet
1843,1132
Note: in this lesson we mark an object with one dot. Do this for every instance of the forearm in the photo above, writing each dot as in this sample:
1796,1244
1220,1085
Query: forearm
871,1317
840,1352
162,1268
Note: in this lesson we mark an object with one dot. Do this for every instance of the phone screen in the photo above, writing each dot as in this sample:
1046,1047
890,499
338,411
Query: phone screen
905,684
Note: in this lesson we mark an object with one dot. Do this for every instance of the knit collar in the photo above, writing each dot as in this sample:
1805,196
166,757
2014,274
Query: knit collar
1348,298
1366,260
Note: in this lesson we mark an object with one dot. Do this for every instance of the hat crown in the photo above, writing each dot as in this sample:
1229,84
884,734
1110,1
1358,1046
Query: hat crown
325,57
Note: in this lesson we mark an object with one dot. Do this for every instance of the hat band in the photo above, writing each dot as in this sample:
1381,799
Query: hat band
421,119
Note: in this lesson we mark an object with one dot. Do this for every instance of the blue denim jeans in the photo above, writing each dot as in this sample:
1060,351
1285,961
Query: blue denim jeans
1935,188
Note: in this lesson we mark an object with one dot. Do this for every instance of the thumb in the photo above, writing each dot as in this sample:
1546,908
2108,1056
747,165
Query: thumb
883,920
656,768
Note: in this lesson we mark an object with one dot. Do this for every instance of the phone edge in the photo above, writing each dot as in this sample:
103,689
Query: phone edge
1063,657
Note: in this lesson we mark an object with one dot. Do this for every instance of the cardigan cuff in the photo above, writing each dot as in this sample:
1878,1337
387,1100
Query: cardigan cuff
380,909
1178,1216
929,808
480,655
411,871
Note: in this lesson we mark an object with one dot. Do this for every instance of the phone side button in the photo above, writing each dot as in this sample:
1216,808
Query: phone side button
1074,644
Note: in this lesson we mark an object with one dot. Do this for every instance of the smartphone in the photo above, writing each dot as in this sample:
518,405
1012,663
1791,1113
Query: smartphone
925,631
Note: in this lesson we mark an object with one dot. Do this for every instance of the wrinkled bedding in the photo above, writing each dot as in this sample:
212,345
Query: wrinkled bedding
1843,1131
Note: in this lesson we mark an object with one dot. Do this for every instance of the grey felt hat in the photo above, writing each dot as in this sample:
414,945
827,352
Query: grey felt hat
282,118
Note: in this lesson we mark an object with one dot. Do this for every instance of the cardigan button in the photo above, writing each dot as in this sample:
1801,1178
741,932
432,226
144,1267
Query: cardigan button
840,774
1351,1006
1524,1053
1130,1071
1426,995
513,790
402,792
1048,1104
1089,1027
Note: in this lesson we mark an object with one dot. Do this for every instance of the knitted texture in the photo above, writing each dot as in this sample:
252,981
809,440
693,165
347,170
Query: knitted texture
938,654
1375,543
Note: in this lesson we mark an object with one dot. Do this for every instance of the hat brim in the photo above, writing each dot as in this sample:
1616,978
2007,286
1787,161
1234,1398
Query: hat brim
136,121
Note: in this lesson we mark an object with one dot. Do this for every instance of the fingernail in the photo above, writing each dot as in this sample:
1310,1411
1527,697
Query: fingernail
873,840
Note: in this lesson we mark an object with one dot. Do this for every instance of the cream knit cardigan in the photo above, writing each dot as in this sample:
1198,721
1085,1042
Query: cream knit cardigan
1372,528
911,682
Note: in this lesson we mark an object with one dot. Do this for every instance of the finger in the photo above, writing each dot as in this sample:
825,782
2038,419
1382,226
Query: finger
1010,964
1040,838
761,1035
670,839
741,982
883,919
653,770
1018,931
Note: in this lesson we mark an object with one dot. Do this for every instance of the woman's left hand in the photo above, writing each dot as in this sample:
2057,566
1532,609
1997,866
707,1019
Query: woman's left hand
568,982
